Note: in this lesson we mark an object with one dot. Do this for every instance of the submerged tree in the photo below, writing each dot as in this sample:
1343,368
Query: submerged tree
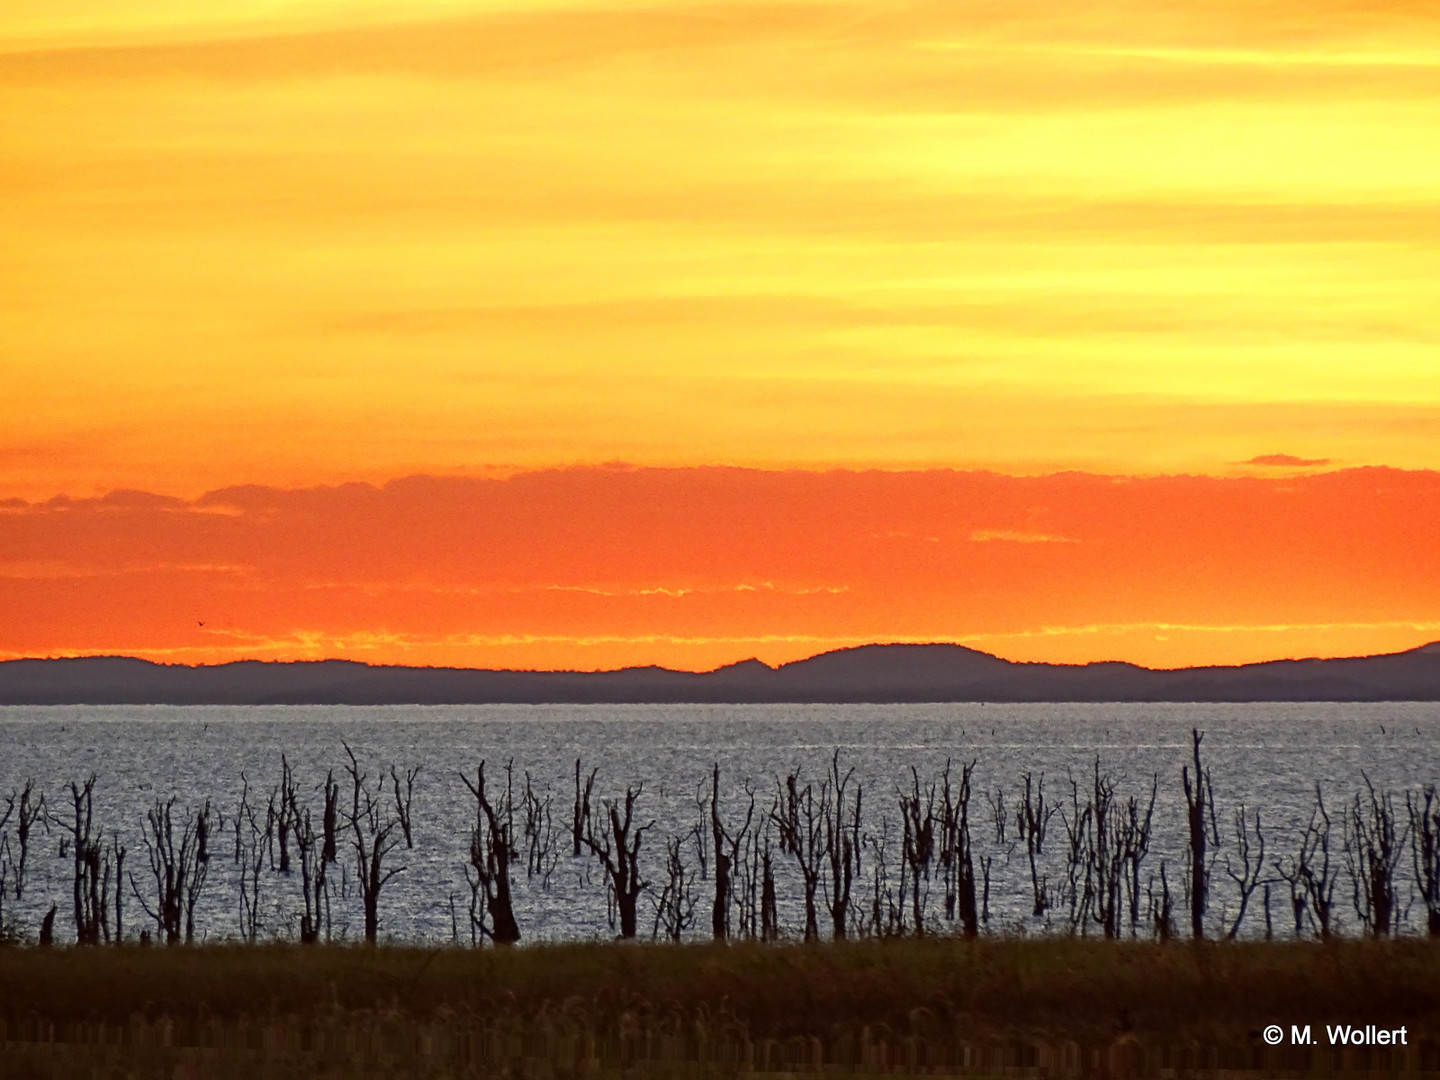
179,866
1199,805
95,866
580,819
957,860
727,846
492,849
799,819
1032,819
374,834
1311,876
28,808
1373,851
1248,877
675,906
1424,812
842,844
615,842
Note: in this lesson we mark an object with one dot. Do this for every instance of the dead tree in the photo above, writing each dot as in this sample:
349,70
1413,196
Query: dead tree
917,847
1424,813
800,823
1032,818
998,815
842,844
1109,840
200,868
1134,844
178,871
252,845
278,817
539,834
1200,818
720,906
1078,891
202,832
309,846
313,886
492,848
117,858
1373,851
580,820
1117,847
29,810
744,876
402,800
1162,908
1310,875
6,868
94,866
727,847
373,836
769,911
887,897
1106,870
956,857
1252,865
675,906
700,830
750,870
510,807
616,844
753,880
330,821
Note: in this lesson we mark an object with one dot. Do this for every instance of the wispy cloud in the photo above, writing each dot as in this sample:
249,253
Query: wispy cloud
676,592
1288,461
1017,536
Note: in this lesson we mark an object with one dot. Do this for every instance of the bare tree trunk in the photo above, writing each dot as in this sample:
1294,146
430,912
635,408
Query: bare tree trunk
727,853
1373,852
492,845
580,821
373,837
618,849
1424,810
1199,817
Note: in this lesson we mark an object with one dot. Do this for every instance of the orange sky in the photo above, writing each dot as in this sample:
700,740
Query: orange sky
297,243
696,567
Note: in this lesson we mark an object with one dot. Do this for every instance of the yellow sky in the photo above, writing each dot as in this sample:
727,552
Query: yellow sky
295,243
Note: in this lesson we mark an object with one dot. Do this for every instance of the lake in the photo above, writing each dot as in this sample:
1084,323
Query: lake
1267,756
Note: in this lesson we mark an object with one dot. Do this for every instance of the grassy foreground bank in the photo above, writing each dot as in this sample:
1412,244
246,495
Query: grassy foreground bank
1036,1007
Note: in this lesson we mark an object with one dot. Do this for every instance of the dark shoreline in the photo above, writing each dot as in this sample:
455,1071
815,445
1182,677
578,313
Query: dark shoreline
868,674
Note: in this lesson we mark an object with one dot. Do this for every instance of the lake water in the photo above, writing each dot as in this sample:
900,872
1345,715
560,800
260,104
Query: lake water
1267,756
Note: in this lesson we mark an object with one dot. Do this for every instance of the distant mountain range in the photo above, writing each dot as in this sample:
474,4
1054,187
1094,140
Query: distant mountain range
869,673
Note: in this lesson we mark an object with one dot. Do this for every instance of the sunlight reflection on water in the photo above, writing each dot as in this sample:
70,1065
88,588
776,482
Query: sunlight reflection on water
1269,756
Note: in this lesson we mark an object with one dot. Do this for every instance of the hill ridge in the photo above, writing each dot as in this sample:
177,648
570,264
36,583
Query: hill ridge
872,673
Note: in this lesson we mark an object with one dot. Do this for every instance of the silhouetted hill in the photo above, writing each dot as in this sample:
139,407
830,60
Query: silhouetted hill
869,673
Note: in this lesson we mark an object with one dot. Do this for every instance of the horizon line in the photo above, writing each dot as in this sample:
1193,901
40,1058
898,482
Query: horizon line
722,667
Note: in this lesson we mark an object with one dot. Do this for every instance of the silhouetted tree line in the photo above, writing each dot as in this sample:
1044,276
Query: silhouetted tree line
919,866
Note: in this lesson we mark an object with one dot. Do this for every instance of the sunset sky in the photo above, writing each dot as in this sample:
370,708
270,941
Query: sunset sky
580,334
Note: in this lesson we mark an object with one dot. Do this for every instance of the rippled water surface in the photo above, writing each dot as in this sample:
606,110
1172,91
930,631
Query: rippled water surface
1267,756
